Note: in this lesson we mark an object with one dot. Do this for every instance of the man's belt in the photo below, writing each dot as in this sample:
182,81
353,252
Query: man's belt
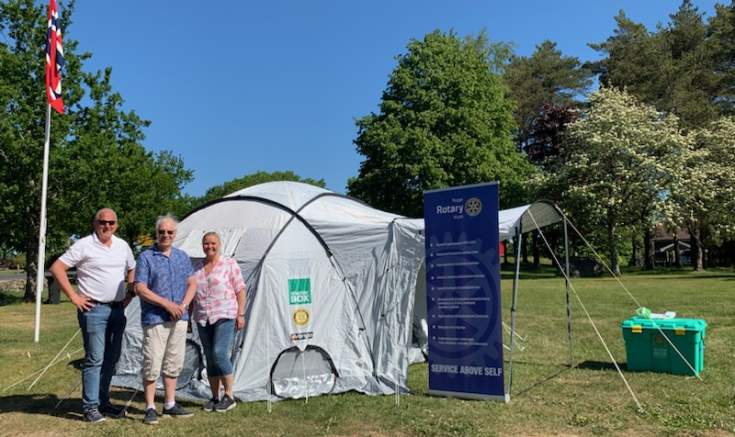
109,304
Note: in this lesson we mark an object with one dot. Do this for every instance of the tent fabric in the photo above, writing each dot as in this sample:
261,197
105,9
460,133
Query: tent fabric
360,268
336,292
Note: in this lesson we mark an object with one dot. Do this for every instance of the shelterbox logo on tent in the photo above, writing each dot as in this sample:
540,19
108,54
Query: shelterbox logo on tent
299,291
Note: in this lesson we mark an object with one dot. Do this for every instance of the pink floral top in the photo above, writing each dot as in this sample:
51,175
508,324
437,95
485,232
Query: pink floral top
216,296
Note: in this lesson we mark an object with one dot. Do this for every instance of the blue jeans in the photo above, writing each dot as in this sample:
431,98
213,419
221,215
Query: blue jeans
102,329
216,340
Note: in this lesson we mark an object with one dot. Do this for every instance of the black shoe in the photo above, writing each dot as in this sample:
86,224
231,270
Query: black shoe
112,411
176,411
209,406
93,416
151,418
227,403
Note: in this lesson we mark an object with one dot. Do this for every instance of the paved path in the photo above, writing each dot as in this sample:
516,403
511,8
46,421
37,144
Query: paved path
12,276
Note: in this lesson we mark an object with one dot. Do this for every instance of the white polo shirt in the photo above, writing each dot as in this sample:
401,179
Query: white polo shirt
101,270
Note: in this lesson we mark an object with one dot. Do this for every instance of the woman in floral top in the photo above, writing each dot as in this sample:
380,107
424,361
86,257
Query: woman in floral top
218,310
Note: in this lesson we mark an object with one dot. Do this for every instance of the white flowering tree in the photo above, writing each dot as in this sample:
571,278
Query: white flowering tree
705,196
616,167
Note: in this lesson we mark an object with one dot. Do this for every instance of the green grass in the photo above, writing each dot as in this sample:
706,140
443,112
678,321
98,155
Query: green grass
547,396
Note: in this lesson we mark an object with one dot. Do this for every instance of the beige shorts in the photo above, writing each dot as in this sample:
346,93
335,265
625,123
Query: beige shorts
164,346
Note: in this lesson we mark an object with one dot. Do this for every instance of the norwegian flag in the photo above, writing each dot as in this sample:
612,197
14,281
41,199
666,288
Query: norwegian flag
54,59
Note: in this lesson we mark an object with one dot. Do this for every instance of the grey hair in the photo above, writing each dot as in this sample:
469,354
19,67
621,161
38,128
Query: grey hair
166,218
99,213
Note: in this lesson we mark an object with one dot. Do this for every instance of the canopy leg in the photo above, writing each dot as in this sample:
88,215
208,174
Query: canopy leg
569,308
513,312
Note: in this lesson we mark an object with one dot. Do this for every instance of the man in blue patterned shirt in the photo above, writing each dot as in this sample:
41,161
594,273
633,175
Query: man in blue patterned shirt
164,280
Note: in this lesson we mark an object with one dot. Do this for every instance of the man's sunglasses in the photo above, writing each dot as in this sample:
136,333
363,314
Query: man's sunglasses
164,232
106,222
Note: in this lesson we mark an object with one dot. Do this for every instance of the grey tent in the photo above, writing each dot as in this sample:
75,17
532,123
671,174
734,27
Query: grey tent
332,287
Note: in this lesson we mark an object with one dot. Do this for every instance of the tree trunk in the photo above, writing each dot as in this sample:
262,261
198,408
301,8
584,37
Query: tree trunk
614,264
649,249
31,266
524,250
677,252
536,251
634,246
697,258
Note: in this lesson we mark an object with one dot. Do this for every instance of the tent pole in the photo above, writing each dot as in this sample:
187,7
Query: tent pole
513,311
569,308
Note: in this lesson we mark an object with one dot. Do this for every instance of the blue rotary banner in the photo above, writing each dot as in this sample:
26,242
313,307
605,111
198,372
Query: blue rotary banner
463,292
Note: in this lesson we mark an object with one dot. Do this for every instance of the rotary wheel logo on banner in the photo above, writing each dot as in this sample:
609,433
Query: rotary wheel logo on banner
473,206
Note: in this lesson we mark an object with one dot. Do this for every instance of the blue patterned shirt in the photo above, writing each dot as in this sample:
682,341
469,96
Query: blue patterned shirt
167,277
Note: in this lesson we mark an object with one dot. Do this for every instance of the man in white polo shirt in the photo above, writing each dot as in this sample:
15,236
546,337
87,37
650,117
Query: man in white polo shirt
104,263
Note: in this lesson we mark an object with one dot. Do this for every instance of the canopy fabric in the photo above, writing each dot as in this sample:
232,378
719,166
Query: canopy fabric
527,218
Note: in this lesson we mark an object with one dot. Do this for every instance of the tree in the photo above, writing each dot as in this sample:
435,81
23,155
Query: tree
260,177
618,159
547,133
96,157
544,80
636,61
705,194
721,46
443,122
671,68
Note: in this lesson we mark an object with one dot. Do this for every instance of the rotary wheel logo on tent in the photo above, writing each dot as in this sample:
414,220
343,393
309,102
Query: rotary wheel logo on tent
300,317
473,206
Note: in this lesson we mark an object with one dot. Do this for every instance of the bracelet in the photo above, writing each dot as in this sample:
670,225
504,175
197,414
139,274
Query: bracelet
241,315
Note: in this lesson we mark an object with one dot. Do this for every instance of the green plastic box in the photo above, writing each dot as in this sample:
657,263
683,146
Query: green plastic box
647,349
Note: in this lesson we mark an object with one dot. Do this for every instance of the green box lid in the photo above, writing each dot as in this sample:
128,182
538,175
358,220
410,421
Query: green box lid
670,324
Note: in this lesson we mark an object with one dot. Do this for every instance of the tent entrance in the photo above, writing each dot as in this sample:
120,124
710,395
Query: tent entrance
298,374
193,365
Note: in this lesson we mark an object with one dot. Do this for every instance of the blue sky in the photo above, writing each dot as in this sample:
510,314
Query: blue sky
234,87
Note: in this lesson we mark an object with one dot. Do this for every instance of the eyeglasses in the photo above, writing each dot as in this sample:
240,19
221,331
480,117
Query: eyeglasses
106,222
164,232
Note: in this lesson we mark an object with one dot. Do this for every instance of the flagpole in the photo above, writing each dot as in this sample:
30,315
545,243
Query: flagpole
41,267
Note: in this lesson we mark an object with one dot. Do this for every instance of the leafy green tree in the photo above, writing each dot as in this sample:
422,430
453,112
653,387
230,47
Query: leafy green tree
260,177
23,100
545,79
618,159
96,156
443,122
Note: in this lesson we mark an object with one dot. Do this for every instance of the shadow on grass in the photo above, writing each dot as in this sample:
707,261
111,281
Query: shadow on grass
507,271
50,404
685,277
545,271
585,365
542,381
10,298
600,365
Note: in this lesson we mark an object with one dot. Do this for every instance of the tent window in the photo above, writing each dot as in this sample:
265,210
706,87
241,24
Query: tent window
298,374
